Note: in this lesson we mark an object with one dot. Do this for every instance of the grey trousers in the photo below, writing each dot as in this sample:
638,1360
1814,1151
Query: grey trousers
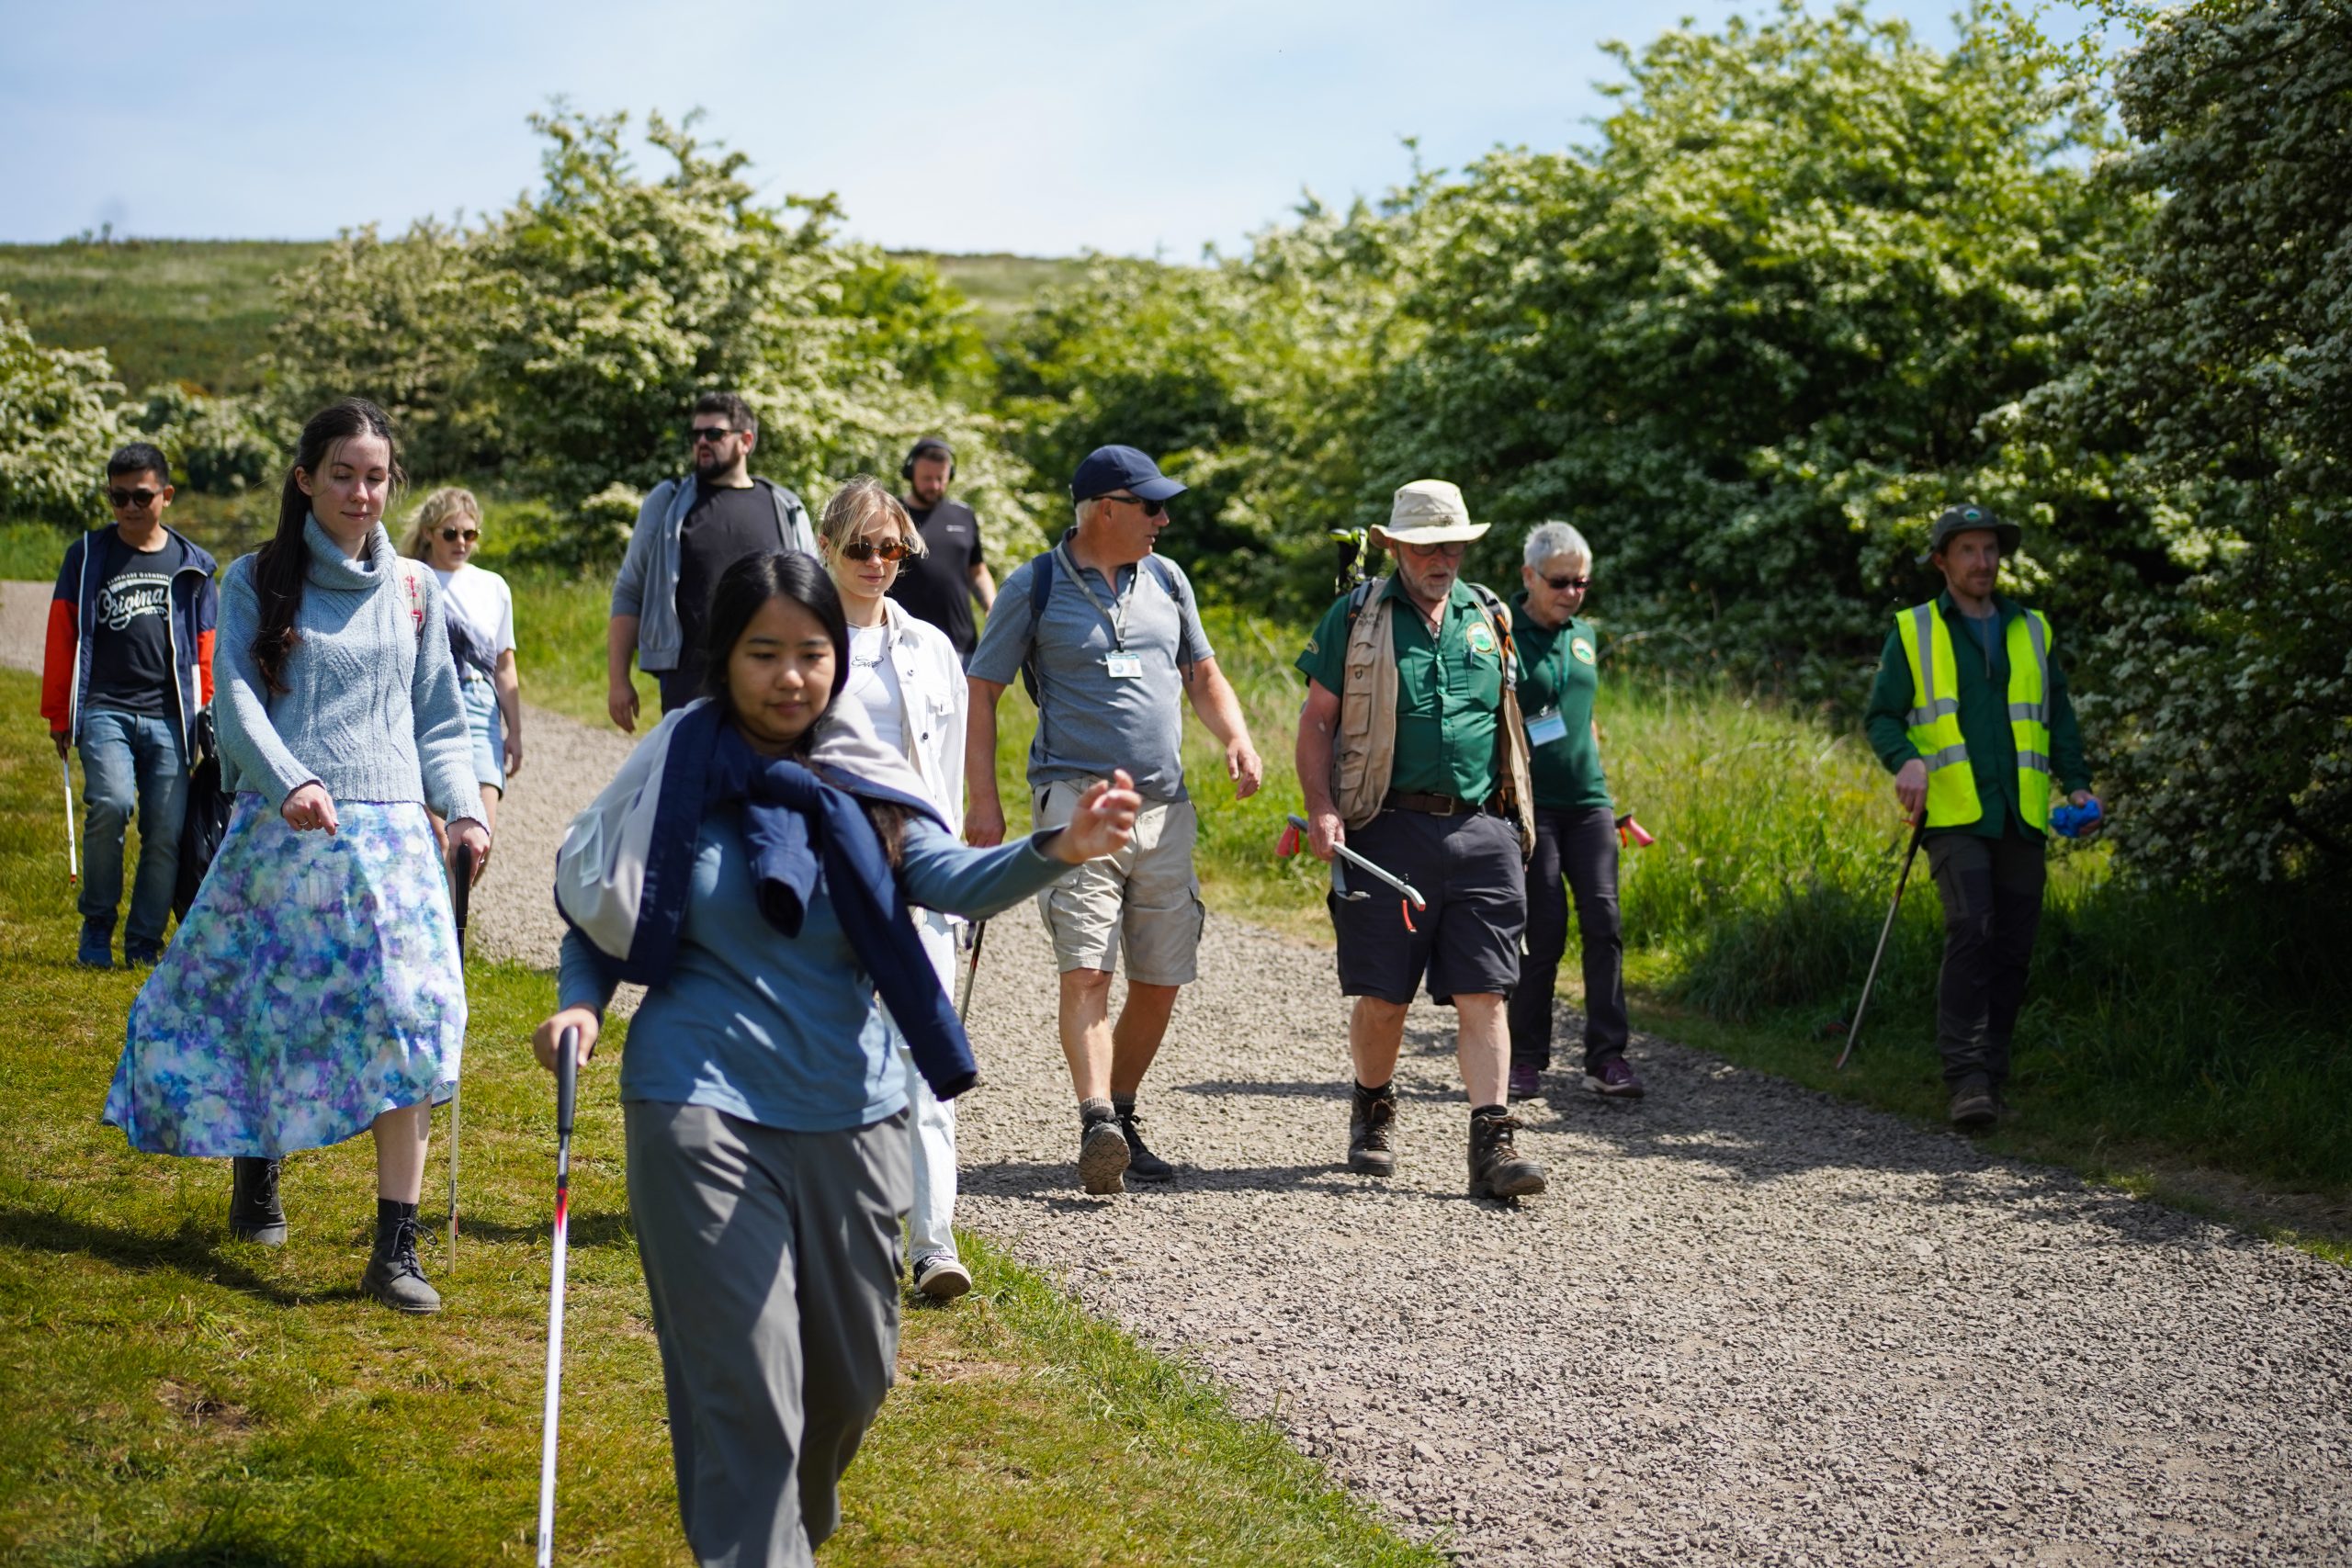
773,1261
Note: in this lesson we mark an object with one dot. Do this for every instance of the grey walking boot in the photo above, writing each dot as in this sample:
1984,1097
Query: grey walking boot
1497,1167
1102,1150
393,1277
253,1211
1372,1135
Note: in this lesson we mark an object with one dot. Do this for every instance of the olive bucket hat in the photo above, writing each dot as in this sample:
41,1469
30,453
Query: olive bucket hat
1969,519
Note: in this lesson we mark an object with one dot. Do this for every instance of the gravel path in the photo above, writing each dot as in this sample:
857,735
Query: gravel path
1748,1323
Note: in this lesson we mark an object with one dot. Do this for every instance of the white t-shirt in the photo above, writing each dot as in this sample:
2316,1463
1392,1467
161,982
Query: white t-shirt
481,602
873,682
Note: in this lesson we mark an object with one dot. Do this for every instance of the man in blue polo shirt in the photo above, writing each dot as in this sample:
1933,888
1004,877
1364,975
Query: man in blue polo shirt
1110,644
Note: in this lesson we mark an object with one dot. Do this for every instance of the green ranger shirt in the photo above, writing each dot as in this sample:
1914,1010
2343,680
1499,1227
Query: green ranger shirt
1449,690
1559,670
1982,663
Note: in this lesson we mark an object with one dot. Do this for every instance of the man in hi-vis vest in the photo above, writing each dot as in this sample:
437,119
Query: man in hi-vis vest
1412,754
1970,714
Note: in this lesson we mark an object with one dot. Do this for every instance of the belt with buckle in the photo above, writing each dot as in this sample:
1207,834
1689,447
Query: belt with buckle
1431,804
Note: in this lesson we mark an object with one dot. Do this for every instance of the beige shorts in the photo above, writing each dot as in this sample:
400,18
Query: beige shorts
1144,897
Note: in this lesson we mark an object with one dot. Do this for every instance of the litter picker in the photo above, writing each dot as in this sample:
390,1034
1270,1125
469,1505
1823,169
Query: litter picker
1288,845
1854,1029
462,891
567,1088
72,859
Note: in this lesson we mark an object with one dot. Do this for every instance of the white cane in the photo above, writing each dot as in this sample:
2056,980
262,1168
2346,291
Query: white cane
567,1084
72,859
461,892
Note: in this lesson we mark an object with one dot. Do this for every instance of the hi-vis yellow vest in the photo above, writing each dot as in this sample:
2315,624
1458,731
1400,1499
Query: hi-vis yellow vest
1935,718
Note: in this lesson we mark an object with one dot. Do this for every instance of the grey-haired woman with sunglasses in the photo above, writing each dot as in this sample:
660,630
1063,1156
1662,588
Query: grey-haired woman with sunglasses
907,676
1576,824
479,611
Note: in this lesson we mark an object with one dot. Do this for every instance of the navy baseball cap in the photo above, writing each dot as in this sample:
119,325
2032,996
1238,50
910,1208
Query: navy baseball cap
1107,469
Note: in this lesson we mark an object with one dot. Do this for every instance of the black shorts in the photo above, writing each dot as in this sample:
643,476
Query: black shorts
1468,868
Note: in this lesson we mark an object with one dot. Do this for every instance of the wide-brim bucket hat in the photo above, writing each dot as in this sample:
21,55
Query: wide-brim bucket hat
1431,511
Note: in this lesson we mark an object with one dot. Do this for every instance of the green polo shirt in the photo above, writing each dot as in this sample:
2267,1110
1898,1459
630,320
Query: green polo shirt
1981,652
1559,669
1449,690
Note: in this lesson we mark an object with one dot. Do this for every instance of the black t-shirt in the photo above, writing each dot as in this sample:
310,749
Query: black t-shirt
937,587
720,528
130,640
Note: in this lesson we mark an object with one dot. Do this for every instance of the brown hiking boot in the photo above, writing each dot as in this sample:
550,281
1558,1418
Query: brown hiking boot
1497,1167
1371,1145
1975,1106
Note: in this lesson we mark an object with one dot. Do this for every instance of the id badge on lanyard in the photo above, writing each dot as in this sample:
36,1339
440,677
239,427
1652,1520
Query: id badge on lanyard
1123,666
1546,726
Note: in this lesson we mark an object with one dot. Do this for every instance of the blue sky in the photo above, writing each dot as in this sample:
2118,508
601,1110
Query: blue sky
1043,128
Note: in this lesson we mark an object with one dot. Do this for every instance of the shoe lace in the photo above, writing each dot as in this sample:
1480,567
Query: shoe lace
1379,1112
266,1185
402,1256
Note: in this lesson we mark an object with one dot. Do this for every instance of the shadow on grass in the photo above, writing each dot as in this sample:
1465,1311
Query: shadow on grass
602,1228
189,1250
225,1540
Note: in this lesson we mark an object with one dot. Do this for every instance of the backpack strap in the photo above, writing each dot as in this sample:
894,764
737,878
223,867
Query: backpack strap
1041,588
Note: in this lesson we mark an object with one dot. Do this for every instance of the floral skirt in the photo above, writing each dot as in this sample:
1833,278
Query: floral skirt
313,986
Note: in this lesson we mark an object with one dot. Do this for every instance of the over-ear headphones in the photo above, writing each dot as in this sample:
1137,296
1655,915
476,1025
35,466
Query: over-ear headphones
924,447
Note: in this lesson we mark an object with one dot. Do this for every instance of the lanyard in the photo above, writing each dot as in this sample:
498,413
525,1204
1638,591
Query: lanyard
1117,623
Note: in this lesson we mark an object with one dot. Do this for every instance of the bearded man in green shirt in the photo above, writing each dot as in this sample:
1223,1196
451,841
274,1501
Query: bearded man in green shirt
1970,714
1410,753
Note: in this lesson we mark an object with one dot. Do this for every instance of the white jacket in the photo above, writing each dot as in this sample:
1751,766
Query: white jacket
933,707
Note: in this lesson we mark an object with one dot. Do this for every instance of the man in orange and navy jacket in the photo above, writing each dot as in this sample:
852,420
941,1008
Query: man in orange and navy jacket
127,671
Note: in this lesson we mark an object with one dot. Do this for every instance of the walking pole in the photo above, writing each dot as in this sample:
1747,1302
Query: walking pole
73,859
461,892
567,1084
972,971
1854,1029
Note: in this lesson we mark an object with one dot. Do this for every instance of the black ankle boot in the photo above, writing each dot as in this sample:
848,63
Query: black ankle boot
253,1211
393,1276
1372,1136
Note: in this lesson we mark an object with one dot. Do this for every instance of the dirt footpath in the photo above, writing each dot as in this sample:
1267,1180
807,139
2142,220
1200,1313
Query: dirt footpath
1748,1323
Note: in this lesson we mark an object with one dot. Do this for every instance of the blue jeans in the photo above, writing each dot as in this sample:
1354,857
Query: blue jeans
131,763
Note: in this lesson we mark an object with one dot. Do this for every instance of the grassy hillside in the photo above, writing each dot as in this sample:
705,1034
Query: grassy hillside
201,310
192,311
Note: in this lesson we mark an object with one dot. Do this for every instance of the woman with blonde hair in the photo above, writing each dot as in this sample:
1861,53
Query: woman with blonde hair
444,533
904,673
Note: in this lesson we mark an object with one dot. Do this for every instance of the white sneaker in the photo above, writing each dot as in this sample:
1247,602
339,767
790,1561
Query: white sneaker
942,1277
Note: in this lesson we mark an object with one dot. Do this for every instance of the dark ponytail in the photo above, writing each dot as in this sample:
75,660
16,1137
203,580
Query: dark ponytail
743,590
281,565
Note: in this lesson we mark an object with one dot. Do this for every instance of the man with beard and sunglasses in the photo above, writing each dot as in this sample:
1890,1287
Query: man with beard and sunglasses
1106,637
688,532
128,669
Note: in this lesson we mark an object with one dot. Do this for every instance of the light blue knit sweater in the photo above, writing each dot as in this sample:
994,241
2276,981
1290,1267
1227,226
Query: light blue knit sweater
371,709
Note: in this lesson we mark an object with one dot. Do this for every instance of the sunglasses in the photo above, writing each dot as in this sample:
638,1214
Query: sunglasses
867,549
1562,584
713,434
454,535
128,498
1150,508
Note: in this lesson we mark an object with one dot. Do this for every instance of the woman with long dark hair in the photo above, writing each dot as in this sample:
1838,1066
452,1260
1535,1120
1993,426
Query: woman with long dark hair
314,992
751,864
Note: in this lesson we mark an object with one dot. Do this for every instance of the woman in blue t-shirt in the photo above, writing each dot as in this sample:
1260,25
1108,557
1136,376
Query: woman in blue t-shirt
751,865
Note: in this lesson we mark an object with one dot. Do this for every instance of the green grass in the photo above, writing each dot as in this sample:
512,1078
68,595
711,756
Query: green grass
1001,284
168,1396
192,311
